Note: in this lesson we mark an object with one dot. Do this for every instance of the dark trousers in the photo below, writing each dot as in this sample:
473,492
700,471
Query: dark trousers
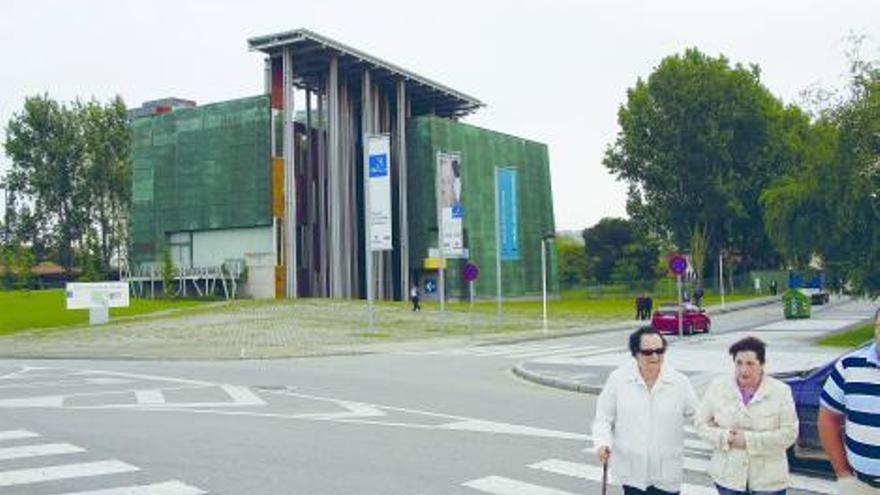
628,490
416,305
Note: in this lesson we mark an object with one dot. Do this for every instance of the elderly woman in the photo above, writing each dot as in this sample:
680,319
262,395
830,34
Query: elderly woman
750,421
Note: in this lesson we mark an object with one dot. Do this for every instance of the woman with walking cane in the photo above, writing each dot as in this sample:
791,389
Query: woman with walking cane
638,429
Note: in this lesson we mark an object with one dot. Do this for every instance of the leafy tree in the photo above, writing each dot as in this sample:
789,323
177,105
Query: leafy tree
617,242
572,261
699,141
167,272
107,173
24,265
8,260
46,147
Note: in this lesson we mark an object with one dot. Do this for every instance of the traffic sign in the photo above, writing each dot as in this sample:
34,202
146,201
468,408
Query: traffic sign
677,264
470,272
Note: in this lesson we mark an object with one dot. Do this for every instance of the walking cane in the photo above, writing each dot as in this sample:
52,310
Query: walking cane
605,478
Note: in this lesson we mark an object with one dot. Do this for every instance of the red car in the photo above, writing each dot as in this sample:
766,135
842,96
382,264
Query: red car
694,319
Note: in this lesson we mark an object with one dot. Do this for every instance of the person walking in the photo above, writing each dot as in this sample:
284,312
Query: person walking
750,421
414,297
638,429
849,418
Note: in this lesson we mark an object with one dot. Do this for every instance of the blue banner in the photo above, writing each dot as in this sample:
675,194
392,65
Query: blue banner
508,227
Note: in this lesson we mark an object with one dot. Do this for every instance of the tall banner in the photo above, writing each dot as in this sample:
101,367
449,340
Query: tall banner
379,190
507,214
449,199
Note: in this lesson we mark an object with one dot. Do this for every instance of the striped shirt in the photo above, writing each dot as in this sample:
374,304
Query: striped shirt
853,390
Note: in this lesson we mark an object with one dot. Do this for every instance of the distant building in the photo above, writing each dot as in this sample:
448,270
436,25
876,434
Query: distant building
232,183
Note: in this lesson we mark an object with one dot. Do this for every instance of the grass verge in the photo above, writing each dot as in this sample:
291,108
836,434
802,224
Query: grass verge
850,338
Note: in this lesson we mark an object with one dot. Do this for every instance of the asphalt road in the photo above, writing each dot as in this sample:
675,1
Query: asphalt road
397,423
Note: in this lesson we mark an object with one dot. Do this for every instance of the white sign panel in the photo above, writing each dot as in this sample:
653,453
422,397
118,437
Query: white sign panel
379,163
451,211
87,295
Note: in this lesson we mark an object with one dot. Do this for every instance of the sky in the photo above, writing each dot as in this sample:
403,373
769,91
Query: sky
553,71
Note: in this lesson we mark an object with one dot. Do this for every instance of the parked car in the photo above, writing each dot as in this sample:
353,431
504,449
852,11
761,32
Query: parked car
694,319
806,388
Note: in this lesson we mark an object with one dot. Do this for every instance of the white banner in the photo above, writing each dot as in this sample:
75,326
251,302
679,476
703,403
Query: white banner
379,163
86,295
449,202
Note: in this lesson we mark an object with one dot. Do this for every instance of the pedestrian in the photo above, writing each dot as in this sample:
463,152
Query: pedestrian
414,297
638,429
774,287
640,307
750,421
649,306
849,419
698,296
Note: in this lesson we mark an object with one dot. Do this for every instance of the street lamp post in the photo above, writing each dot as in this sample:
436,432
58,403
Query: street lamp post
544,240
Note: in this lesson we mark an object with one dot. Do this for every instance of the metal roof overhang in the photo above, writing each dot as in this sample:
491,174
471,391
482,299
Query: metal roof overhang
311,59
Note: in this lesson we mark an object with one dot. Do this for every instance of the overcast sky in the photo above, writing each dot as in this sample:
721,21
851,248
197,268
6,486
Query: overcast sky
553,71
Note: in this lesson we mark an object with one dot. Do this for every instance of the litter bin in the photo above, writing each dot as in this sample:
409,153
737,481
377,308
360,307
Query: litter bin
796,304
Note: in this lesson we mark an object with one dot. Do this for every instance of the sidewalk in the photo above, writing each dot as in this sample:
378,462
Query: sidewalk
790,347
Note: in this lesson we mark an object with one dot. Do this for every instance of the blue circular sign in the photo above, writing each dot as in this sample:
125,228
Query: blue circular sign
678,264
430,286
470,272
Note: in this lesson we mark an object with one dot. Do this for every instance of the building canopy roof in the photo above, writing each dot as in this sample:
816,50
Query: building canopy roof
311,58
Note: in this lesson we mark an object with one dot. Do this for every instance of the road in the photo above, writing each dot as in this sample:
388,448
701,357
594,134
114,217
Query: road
430,422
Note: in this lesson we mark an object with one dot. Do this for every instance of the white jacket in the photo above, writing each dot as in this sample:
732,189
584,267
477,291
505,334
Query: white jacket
645,429
771,426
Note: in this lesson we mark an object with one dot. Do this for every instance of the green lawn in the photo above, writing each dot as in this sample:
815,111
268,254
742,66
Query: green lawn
21,310
851,338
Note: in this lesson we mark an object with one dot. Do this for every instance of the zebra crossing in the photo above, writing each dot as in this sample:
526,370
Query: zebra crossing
531,350
27,463
565,471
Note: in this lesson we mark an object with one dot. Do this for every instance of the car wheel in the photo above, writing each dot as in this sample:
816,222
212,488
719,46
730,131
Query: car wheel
689,329
707,327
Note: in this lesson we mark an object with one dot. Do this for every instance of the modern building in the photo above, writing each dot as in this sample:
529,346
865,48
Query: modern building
273,190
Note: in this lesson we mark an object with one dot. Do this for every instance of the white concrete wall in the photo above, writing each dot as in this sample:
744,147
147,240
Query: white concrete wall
212,247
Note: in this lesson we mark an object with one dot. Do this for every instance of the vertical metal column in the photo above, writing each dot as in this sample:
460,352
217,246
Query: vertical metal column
323,211
333,200
403,231
366,129
289,174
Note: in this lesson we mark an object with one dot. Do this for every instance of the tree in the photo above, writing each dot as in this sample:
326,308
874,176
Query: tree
70,177
107,173
699,141
572,261
615,242
45,144
167,272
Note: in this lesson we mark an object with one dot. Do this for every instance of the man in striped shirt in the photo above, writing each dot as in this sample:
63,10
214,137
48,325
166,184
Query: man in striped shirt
849,419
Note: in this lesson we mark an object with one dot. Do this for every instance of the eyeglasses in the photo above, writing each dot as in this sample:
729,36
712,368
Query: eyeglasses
650,352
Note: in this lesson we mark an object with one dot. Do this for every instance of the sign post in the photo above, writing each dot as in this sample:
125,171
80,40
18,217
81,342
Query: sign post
377,199
98,298
470,272
677,265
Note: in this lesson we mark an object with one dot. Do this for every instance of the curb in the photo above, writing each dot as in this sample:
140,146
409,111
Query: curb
550,381
559,383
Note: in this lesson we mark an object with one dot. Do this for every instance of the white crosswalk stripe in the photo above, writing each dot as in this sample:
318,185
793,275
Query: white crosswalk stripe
500,485
16,434
65,471
26,451
167,488
73,471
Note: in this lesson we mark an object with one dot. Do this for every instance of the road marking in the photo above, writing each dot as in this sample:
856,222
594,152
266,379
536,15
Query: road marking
149,397
594,473
243,396
16,434
26,451
66,471
510,429
167,488
506,486
796,481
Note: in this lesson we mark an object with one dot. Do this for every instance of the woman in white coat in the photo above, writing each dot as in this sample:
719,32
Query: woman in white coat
640,418
749,420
